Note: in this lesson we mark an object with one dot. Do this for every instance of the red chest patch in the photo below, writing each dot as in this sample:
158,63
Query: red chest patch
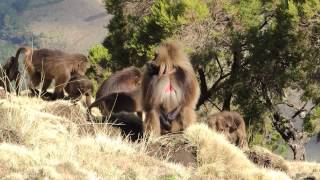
169,88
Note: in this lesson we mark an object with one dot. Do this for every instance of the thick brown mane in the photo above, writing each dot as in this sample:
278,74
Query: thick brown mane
231,124
169,86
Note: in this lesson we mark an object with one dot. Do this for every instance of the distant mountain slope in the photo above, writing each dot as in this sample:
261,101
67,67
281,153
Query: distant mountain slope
71,25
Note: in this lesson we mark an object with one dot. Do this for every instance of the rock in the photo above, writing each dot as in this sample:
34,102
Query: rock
264,158
174,148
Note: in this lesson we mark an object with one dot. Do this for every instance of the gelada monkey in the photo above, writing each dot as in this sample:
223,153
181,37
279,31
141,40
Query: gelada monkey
170,91
123,84
51,65
231,124
10,72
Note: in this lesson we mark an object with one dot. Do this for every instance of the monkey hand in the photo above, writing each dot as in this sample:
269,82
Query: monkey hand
167,118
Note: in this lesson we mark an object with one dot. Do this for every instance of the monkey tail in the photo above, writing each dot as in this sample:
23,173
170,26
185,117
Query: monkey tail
27,52
96,103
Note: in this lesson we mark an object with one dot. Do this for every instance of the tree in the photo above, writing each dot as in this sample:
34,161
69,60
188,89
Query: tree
246,53
99,59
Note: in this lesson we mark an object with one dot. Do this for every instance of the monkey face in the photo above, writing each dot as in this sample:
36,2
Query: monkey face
226,127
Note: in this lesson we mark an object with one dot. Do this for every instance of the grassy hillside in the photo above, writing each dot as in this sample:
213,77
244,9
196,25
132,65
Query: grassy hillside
53,140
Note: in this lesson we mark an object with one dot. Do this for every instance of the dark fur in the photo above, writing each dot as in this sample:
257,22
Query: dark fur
51,65
130,124
10,72
118,102
78,86
166,119
231,124
173,111
126,80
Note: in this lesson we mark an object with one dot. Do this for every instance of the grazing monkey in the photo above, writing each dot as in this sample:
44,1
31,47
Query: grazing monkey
78,86
51,65
232,125
10,72
170,91
125,82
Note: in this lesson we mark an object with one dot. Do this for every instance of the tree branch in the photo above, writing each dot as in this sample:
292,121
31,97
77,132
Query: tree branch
214,104
203,82
204,97
219,64
299,111
285,128
267,19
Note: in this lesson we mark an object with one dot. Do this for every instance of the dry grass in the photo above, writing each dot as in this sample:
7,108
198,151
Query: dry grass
302,169
218,159
52,140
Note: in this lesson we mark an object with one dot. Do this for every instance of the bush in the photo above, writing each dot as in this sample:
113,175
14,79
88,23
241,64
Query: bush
99,69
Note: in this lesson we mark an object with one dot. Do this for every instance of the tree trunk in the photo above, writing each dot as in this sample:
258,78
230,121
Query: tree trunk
298,152
227,101
295,139
204,96
235,68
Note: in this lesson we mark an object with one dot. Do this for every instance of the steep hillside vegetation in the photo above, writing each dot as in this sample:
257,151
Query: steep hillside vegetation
52,140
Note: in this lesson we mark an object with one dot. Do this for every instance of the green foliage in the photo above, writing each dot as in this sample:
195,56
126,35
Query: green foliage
249,52
266,136
99,59
167,16
248,13
311,123
99,55
132,38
